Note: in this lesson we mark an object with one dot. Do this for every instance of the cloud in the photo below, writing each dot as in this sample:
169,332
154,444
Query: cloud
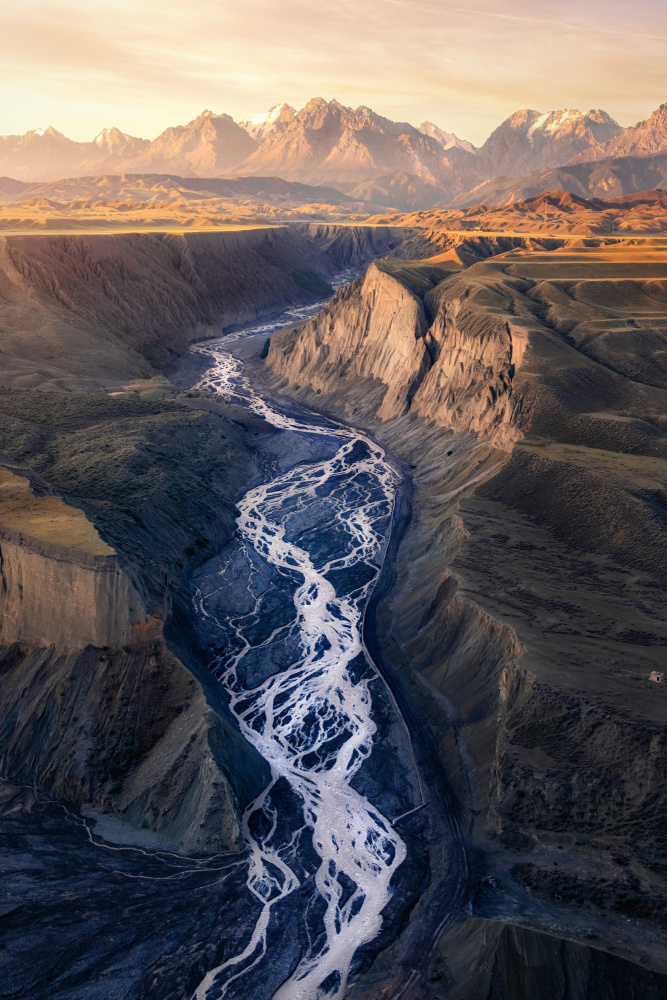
525,19
144,64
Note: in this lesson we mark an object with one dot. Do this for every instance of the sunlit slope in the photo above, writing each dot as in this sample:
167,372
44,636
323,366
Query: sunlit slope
163,201
556,212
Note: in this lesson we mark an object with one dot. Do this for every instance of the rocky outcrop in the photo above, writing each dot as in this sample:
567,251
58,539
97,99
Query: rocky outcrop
49,549
102,607
433,349
366,340
96,710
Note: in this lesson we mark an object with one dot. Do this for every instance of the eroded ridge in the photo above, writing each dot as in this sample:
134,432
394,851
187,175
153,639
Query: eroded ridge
298,676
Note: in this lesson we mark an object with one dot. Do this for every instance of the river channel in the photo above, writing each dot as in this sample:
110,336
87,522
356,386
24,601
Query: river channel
281,611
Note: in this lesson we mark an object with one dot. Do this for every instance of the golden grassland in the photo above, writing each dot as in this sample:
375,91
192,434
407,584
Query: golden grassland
46,518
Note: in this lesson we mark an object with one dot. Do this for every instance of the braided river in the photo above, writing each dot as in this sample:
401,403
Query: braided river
282,614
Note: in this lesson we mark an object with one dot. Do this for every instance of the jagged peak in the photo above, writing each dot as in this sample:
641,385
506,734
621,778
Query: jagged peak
448,140
110,133
44,130
268,117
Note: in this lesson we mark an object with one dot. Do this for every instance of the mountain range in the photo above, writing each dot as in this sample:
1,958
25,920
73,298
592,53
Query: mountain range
368,157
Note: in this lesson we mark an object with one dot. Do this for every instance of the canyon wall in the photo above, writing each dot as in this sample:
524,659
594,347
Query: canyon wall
96,710
350,246
528,590
57,596
417,345
81,310
99,709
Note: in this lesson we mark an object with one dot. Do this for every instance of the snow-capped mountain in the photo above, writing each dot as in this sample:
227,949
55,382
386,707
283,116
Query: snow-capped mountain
531,140
328,143
355,150
448,140
113,142
259,127
29,156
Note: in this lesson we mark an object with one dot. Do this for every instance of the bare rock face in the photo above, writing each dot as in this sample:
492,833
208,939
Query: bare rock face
49,549
101,609
373,314
529,140
95,708
326,141
644,139
127,733
95,307
434,352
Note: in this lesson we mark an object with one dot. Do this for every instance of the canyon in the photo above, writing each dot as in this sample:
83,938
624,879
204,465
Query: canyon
516,377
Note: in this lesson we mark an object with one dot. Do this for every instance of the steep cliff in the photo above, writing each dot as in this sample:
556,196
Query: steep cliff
96,710
443,351
528,397
84,311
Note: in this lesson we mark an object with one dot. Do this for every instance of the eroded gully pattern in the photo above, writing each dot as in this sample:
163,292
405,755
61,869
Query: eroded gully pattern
298,677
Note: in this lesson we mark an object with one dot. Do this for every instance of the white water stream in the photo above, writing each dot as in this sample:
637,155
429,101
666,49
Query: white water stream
312,719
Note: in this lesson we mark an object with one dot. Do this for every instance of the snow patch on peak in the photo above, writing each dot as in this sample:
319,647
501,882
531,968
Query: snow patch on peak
109,133
448,140
111,138
260,126
47,130
268,117
553,121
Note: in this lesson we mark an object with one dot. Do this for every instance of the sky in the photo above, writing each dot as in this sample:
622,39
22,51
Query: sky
143,65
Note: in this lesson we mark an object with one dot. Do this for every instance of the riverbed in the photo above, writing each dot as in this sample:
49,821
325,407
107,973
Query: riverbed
281,611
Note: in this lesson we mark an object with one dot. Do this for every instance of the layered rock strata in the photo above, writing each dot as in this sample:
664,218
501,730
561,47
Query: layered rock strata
439,355
96,710
84,311
528,397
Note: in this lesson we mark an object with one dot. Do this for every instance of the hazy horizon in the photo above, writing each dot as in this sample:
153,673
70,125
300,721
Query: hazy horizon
82,67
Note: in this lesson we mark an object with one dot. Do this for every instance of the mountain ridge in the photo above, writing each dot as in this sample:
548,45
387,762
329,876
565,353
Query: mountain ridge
366,155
